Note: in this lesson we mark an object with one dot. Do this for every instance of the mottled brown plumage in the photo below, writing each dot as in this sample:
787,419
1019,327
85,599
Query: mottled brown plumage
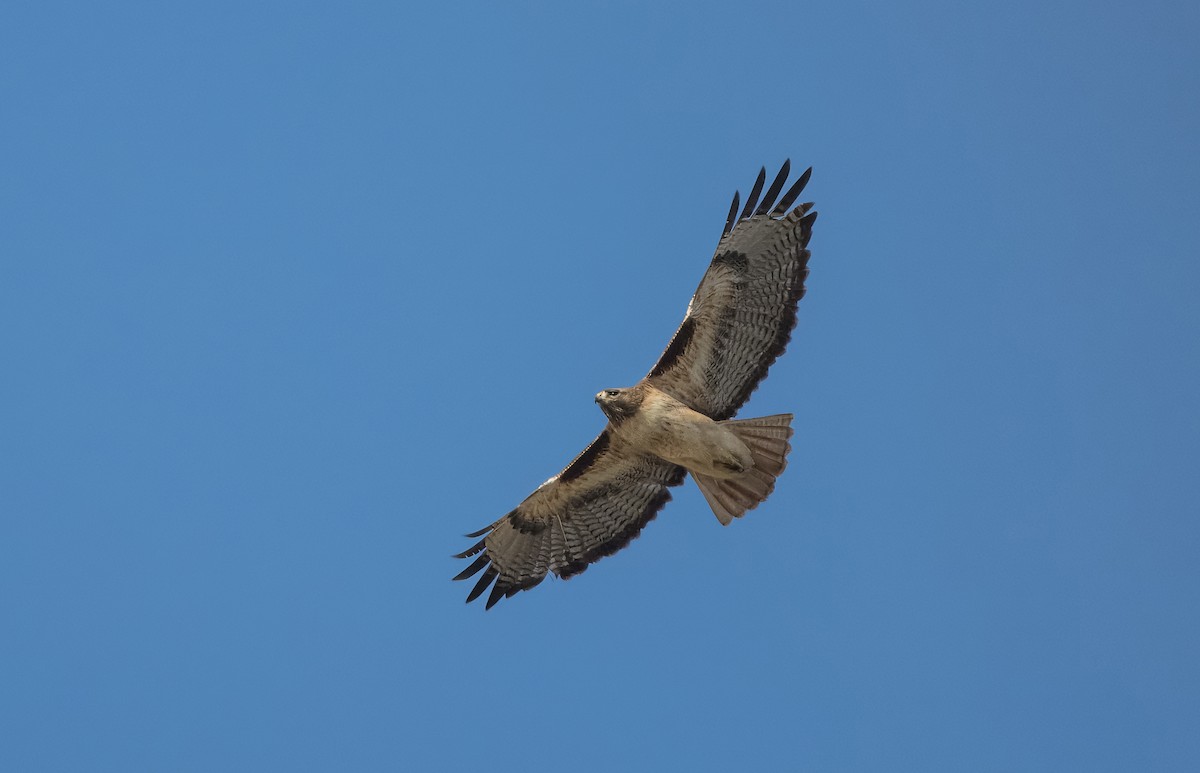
678,419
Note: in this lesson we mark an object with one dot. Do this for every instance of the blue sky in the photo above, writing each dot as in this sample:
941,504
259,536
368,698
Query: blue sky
293,295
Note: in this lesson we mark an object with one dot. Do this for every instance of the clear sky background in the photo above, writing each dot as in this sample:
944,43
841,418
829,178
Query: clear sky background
292,295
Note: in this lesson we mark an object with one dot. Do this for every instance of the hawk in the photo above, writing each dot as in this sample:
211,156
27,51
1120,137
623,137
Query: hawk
679,418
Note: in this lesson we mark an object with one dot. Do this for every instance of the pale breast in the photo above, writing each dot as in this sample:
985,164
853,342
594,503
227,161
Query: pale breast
667,428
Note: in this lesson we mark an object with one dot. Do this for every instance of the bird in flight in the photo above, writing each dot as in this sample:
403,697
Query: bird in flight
679,418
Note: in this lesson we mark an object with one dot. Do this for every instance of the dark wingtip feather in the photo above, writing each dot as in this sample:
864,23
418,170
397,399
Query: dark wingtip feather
478,546
484,581
481,532
806,224
752,199
475,566
793,193
497,593
765,206
729,221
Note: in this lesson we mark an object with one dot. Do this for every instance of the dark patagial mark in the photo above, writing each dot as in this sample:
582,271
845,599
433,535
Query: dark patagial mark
678,345
585,460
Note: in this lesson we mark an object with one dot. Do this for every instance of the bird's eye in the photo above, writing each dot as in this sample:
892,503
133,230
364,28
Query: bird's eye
611,392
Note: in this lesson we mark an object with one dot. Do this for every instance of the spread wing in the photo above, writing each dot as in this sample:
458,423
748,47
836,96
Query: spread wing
743,312
591,509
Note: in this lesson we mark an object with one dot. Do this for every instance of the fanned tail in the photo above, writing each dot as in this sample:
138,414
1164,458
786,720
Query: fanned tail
767,438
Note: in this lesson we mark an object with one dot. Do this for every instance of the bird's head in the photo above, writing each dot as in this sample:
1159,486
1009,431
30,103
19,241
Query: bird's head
619,404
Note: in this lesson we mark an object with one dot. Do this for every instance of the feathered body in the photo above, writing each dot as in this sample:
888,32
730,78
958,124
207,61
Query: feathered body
651,421
678,419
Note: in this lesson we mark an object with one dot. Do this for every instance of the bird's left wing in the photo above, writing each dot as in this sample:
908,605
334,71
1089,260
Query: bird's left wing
591,509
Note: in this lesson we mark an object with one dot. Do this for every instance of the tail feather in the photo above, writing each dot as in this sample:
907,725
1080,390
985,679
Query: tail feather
767,439
722,507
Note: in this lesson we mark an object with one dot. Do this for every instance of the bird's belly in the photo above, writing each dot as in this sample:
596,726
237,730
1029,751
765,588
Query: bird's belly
695,442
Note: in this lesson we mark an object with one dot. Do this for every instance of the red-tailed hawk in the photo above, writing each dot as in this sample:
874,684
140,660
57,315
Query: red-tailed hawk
678,419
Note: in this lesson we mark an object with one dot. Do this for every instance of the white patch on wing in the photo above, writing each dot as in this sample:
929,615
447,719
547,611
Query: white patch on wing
549,480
